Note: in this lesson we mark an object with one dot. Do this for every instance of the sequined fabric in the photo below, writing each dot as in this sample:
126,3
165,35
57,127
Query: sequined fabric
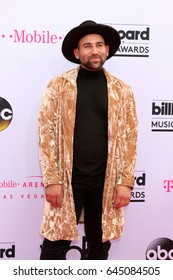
55,130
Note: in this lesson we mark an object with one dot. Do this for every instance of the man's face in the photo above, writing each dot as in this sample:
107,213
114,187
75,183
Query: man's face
92,52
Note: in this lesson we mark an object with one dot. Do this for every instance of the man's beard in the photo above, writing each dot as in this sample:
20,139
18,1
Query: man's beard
93,66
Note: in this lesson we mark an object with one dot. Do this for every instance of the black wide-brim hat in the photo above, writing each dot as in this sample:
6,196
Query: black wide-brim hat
70,42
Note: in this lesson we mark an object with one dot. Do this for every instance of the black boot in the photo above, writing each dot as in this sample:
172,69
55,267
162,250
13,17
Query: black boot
98,251
54,250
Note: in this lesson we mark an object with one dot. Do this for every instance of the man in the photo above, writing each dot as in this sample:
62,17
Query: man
87,140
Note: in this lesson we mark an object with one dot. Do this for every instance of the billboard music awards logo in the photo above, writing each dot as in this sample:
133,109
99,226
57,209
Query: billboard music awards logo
31,188
134,40
138,193
6,114
7,250
160,249
162,116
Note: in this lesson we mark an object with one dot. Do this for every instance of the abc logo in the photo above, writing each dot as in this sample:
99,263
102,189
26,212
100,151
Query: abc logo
160,249
81,252
6,114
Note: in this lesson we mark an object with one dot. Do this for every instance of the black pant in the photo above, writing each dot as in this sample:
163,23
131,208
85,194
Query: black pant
87,193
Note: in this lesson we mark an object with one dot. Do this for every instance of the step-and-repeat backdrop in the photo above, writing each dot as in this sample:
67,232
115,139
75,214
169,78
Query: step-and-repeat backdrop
31,34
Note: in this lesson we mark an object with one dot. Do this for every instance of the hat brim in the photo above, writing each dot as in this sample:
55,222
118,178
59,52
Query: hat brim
70,42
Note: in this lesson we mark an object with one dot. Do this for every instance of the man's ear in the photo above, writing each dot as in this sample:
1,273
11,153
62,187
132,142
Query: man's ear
76,53
107,47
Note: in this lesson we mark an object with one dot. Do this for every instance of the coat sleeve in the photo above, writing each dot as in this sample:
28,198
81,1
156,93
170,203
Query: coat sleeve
128,139
48,136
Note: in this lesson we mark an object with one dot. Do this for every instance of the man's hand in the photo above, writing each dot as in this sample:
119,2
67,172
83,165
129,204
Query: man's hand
54,195
121,197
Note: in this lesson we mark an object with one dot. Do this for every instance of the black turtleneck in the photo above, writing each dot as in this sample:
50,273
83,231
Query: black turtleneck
90,134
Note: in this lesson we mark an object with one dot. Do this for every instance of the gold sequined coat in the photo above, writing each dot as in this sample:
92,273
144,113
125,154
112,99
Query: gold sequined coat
55,131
